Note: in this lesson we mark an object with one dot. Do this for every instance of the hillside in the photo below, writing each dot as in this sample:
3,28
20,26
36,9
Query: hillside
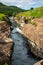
32,13
31,24
9,10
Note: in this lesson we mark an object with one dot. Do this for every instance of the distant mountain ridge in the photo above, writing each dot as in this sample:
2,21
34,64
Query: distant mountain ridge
9,10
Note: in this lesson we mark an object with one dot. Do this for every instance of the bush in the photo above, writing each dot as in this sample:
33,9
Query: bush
31,8
34,23
2,16
26,20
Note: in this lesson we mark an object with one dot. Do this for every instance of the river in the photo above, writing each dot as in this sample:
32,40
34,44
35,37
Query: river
21,54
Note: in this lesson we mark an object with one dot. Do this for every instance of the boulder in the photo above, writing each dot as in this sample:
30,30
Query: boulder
6,43
6,47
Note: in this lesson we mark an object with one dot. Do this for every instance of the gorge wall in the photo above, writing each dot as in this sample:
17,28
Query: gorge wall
6,43
33,30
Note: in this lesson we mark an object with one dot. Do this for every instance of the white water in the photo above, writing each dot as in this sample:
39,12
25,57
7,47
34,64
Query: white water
17,30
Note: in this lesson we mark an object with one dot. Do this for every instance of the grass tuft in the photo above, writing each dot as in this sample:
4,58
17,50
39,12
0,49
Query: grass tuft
2,16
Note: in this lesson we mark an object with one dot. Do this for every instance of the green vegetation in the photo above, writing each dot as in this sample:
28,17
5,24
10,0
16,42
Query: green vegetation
26,20
5,64
28,15
9,10
34,23
2,16
32,13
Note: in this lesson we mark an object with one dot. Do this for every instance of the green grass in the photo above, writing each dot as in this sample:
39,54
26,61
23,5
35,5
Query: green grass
35,13
2,16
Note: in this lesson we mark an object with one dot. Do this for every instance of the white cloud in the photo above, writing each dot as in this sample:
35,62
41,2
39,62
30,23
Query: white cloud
23,3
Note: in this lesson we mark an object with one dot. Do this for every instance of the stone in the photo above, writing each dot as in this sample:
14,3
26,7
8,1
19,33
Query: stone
6,48
6,43
39,63
35,36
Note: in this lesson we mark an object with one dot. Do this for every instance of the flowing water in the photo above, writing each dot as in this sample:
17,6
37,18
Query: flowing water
21,55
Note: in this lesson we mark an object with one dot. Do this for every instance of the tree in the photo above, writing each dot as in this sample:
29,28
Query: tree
31,8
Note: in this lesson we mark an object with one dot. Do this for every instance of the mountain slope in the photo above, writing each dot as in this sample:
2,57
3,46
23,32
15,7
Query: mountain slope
34,13
9,10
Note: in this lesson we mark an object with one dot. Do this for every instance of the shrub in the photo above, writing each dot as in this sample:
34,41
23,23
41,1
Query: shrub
2,16
26,20
31,8
34,23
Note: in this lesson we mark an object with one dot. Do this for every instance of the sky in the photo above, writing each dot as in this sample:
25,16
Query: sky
24,4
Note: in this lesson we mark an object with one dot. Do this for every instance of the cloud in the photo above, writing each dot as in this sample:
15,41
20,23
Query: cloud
25,4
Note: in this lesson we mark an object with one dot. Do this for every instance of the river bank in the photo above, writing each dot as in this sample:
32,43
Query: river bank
6,43
35,36
34,33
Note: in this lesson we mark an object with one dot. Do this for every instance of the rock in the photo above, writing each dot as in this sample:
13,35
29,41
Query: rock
4,29
6,43
35,49
35,36
39,63
6,48
34,32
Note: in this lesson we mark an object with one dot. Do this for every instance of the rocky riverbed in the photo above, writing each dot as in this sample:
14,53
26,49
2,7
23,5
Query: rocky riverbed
6,43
